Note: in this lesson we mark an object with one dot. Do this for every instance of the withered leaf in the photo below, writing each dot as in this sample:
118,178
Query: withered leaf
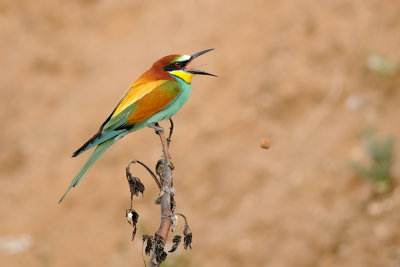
135,185
161,255
132,217
160,168
173,204
158,201
149,244
134,232
187,241
176,241
186,229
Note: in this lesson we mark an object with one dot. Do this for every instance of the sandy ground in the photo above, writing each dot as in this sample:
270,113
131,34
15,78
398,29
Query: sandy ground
289,71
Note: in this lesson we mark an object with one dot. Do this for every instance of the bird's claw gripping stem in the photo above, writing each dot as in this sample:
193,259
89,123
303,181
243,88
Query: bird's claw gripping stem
157,128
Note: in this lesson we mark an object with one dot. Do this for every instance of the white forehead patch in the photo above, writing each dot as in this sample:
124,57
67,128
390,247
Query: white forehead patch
183,58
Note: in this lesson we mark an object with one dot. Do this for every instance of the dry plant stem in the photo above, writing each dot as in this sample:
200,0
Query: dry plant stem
171,130
149,170
165,199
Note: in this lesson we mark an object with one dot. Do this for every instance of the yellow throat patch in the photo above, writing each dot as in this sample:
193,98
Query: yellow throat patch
186,76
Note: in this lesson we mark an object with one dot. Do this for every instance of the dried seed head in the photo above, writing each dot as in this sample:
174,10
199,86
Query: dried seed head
132,216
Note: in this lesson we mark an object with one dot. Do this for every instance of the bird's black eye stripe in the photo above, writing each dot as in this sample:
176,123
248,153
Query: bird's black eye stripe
177,65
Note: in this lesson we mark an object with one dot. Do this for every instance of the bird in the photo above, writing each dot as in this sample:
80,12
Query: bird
155,96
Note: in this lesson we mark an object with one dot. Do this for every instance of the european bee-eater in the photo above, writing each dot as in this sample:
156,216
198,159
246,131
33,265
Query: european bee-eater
157,95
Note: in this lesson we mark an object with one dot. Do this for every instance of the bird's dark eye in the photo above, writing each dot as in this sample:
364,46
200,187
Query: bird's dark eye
177,64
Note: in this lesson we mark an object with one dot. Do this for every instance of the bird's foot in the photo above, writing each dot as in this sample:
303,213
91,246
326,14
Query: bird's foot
157,128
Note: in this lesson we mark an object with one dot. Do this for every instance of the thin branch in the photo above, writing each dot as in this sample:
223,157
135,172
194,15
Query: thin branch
183,216
161,235
171,130
148,169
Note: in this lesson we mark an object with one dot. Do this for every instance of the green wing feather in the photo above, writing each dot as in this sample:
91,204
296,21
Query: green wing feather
117,126
111,128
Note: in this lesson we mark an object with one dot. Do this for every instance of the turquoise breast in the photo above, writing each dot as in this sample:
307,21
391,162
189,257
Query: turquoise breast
175,104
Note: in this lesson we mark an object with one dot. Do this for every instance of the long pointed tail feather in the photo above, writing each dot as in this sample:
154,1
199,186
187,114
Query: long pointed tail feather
100,149
86,145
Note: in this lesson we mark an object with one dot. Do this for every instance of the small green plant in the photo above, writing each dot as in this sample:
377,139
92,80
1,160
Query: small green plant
380,153
382,65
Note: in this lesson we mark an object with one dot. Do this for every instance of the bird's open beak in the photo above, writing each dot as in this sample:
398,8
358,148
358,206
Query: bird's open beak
194,71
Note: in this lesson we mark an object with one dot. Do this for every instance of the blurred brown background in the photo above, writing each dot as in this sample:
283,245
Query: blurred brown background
297,72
